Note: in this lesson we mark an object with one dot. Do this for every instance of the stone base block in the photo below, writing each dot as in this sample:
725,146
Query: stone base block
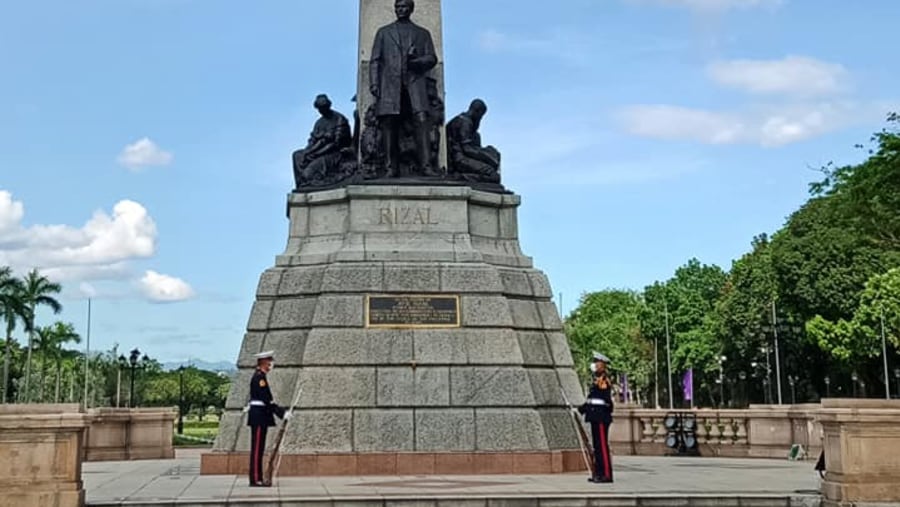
404,463
40,455
862,452
26,497
121,434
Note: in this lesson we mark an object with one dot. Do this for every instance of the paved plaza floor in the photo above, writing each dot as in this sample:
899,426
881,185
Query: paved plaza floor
640,481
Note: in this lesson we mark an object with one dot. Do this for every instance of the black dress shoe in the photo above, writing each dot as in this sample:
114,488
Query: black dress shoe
600,480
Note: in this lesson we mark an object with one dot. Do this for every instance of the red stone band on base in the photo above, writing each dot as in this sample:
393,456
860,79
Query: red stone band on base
411,463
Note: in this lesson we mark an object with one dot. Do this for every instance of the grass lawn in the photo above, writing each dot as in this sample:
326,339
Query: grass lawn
196,432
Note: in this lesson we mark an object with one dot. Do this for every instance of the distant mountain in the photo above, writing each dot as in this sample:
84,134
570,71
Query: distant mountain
224,366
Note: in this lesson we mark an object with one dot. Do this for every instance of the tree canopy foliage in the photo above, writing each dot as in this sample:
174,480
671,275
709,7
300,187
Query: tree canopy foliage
39,367
825,278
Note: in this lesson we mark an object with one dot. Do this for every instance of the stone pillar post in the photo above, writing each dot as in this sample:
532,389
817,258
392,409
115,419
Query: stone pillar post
862,452
373,14
40,455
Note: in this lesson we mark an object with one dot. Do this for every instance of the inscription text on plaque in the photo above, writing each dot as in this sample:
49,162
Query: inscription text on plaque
412,311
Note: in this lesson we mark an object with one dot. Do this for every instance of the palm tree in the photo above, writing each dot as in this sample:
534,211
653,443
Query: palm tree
43,344
37,291
66,363
12,310
59,334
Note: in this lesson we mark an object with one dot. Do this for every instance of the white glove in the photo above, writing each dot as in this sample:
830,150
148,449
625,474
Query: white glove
245,409
288,415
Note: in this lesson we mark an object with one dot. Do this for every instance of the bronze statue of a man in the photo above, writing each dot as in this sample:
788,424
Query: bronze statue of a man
402,56
468,159
327,148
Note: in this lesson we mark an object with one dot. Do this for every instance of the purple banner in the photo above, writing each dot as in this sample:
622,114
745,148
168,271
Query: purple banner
687,383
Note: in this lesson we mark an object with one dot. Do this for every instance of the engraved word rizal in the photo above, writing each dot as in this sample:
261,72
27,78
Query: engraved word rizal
405,216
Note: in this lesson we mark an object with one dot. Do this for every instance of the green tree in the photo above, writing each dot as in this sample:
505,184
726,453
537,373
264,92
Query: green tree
12,311
689,299
38,291
827,252
868,194
50,344
164,389
822,262
848,232
609,321
221,395
743,312
744,307
851,340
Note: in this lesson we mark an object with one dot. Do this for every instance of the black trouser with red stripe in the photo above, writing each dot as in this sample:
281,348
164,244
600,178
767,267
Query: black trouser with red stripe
602,457
257,449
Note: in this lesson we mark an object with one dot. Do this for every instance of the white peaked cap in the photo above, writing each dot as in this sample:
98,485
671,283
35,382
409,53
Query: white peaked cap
265,355
600,357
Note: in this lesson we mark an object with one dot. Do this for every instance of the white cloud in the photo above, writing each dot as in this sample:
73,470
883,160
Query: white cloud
96,272
768,127
795,75
144,153
165,289
87,290
11,212
715,5
103,240
569,46
100,250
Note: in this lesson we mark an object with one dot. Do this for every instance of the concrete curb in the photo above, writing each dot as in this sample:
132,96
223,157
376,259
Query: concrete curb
674,500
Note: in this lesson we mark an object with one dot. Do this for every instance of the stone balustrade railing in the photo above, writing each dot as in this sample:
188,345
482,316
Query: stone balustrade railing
121,434
761,431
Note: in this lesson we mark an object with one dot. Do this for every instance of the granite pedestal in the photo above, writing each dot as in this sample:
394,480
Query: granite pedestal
485,393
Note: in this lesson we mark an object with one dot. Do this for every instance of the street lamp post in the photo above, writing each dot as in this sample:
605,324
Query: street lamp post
777,353
897,379
122,364
669,358
884,353
721,382
792,380
135,361
828,387
768,381
181,401
743,376
656,371
855,378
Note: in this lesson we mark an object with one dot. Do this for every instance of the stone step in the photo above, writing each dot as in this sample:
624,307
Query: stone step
576,500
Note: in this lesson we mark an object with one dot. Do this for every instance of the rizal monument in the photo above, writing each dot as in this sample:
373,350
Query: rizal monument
423,339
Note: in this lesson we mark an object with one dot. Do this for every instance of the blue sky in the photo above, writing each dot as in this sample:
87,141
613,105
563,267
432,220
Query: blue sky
145,144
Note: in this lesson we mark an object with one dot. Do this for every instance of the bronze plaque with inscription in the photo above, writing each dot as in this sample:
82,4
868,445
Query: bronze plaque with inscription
412,311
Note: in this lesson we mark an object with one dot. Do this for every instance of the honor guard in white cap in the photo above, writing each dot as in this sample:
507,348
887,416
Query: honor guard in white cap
261,417
597,410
